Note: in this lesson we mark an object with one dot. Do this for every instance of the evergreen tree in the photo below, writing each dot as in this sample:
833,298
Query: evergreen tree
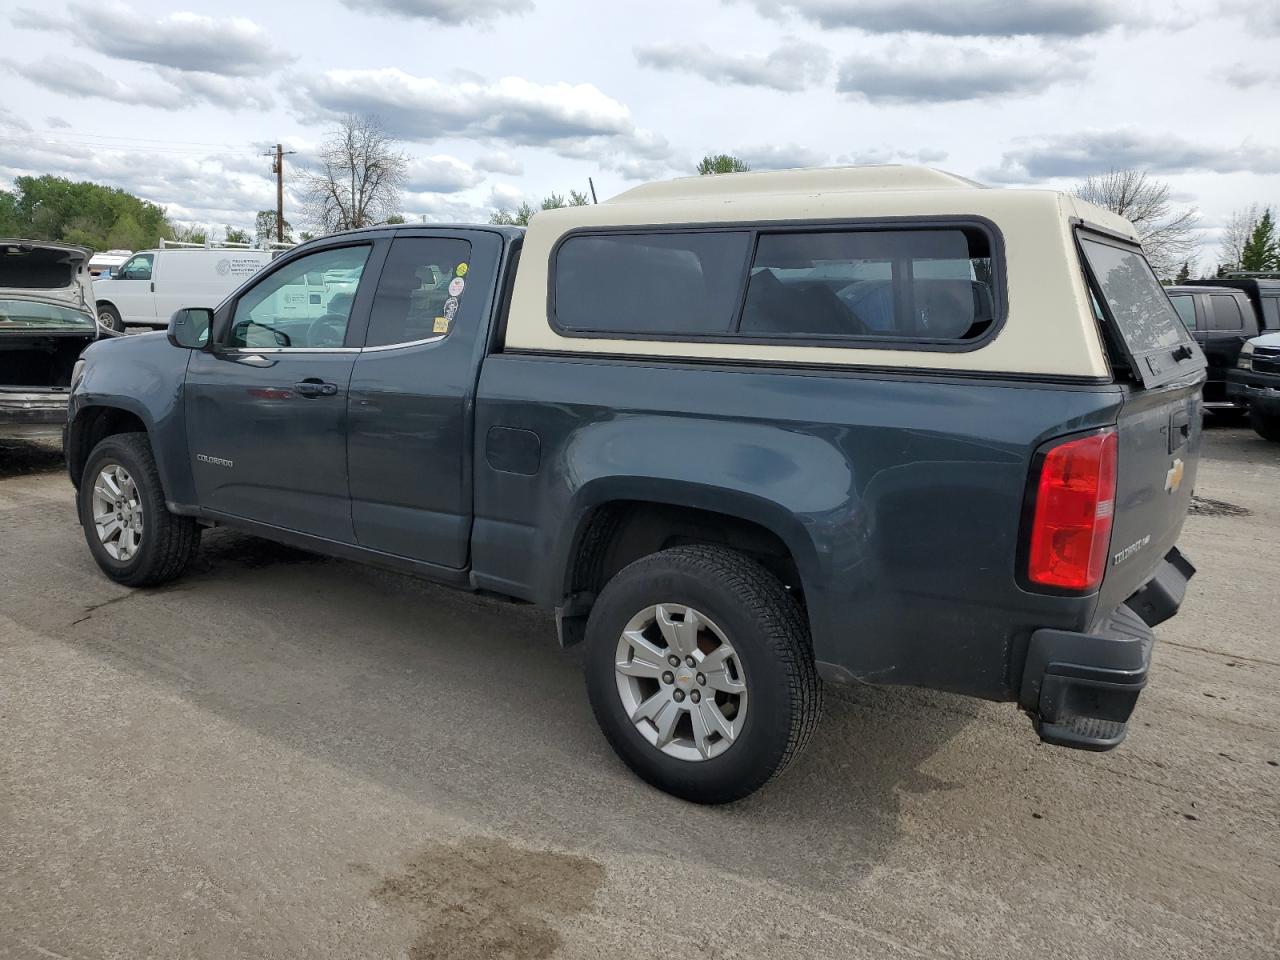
1185,273
1262,251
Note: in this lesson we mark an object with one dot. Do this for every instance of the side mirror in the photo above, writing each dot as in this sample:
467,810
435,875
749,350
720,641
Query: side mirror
189,328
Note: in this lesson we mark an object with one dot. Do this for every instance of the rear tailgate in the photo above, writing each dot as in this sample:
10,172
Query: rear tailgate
1159,424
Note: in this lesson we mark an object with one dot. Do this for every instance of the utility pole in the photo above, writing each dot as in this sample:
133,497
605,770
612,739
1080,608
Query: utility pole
277,167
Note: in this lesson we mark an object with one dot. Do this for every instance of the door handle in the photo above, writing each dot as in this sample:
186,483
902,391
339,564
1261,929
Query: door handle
315,388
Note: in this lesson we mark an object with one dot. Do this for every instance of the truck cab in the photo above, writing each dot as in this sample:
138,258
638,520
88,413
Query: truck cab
745,435
1221,319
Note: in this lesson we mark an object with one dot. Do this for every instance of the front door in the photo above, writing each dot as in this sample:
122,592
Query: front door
132,289
267,407
409,428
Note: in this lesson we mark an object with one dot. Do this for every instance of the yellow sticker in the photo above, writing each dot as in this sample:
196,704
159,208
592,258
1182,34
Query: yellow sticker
462,270
442,325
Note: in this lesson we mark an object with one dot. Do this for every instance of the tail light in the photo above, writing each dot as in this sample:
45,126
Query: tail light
1075,504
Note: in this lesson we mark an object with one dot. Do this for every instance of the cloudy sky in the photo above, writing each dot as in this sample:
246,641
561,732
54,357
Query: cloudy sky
501,100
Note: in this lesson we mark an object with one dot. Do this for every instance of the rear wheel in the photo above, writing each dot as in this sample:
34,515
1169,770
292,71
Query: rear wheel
131,534
1267,426
701,672
110,318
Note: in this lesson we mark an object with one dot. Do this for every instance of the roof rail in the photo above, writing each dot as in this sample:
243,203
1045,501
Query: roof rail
207,245
1254,275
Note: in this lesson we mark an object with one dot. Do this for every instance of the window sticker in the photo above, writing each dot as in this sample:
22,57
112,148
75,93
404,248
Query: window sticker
450,308
456,286
462,270
442,325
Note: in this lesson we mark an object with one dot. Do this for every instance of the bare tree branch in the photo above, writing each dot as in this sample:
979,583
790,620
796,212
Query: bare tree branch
1167,235
1236,234
358,179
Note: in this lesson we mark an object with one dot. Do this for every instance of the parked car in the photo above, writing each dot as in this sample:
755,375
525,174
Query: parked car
46,321
868,425
1255,384
152,284
1263,291
1221,319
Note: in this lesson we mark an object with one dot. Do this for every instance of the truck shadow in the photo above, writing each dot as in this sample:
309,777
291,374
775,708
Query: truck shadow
467,705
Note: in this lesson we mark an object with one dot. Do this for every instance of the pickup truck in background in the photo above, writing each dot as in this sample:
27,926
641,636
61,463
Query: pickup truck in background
744,434
1221,319
1255,384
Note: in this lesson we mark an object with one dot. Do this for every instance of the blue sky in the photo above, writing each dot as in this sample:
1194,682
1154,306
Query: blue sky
502,100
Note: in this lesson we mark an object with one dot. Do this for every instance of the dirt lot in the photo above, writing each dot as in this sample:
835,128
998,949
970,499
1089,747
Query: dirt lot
285,756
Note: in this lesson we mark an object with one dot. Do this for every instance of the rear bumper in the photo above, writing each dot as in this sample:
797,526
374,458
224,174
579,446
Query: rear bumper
1257,390
1081,688
32,415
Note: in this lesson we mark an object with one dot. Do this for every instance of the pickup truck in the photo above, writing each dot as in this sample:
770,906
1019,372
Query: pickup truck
744,434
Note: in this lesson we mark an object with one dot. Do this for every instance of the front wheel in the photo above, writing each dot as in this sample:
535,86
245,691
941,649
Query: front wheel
1267,426
110,318
701,672
131,534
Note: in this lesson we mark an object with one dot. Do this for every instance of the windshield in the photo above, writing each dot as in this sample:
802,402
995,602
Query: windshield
29,315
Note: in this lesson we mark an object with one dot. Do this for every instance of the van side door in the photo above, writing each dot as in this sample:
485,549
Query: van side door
411,407
133,288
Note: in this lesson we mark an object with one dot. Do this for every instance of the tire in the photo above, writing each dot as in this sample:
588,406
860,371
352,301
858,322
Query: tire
110,318
1267,427
737,603
165,542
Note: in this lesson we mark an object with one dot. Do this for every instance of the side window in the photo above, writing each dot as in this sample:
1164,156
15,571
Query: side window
137,268
1186,308
1224,313
306,304
421,287
677,284
913,284
1271,313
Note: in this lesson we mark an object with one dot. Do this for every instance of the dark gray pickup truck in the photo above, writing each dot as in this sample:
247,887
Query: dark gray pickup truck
744,434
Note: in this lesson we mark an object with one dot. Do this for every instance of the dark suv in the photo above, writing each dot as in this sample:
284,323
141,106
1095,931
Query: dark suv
1221,318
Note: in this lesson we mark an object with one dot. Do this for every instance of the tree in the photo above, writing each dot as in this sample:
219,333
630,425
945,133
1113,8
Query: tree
1166,233
1184,275
358,179
1236,234
524,213
1262,251
236,235
395,218
189,233
264,228
721,163
55,208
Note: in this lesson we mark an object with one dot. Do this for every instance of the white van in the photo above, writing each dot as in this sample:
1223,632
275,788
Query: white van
152,284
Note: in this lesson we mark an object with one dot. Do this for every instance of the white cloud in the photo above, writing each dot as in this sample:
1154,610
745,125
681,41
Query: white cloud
182,41
440,174
944,72
500,162
973,18
792,66
445,12
1081,153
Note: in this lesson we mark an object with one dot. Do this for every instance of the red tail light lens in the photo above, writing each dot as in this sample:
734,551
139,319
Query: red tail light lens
1075,503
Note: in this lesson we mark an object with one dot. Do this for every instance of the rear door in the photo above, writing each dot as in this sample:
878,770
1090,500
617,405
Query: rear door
1159,422
409,435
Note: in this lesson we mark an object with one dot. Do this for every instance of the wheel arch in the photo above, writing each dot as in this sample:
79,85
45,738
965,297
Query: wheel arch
619,521
94,423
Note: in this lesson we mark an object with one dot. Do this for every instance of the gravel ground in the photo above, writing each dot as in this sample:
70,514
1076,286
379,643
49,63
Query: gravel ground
286,756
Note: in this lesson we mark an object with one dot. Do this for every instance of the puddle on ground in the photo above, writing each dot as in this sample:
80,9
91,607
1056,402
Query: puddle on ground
485,899
1204,507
